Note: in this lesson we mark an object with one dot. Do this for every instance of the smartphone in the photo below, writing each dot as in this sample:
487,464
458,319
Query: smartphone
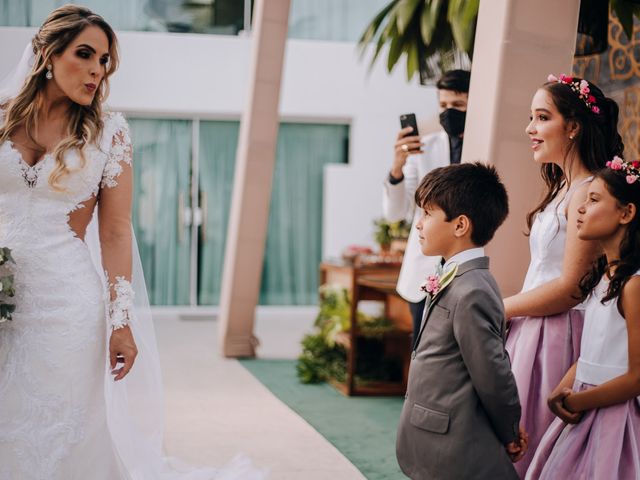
409,120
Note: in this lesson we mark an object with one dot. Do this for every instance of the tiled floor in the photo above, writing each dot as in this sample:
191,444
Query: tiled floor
216,409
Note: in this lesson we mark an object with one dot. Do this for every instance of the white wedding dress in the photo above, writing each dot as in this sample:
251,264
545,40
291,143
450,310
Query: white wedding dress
61,415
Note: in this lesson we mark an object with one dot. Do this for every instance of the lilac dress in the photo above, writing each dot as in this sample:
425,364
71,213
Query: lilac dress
606,442
542,349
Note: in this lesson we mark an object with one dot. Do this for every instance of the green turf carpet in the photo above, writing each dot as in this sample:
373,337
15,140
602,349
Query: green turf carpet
362,428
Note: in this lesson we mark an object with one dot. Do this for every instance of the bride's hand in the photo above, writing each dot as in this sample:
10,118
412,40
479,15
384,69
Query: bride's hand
122,348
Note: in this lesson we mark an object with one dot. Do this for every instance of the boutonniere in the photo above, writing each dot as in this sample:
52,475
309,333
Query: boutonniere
437,282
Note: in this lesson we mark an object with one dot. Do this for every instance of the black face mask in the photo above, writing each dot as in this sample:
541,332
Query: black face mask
452,120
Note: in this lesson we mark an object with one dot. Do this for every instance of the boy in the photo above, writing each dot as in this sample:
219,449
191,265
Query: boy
461,412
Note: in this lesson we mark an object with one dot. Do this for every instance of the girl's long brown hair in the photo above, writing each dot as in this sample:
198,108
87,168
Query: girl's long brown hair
596,141
629,263
85,122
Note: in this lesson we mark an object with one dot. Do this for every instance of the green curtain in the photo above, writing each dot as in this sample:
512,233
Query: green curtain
294,239
162,168
218,142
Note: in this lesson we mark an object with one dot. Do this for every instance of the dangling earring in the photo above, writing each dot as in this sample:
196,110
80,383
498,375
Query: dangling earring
49,74
570,137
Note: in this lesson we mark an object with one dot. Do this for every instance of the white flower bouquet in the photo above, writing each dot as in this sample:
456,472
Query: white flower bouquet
6,285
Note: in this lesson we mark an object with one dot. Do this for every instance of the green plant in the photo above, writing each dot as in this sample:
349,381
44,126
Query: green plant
399,230
319,361
322,357
382,233
433,35
6,285
386,231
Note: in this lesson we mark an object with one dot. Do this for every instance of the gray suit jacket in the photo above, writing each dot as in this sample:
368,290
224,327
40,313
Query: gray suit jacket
462,406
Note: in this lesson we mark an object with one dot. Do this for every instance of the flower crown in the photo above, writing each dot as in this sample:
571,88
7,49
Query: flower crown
580,87
631,169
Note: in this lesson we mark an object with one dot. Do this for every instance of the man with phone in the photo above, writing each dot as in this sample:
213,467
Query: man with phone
414,157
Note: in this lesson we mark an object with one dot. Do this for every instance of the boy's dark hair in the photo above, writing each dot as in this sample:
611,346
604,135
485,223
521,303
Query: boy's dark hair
471,189
456,80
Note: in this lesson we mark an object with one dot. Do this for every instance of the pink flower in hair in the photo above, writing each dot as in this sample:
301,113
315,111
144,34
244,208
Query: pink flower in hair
616,164
591,99
565,79
552,78
584,87
632,178
595,109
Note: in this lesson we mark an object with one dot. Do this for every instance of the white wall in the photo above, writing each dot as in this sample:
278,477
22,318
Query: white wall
205,76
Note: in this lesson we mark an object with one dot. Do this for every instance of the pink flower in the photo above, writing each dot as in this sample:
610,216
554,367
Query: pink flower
584,87
632,178
591,99
552,78
635,164
432,285
595,109
616,163
565,79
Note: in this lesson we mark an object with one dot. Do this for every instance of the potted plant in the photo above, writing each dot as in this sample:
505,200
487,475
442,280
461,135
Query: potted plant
391,236
382,234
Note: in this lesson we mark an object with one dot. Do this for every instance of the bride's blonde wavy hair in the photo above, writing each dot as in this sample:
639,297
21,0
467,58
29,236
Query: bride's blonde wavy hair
85,124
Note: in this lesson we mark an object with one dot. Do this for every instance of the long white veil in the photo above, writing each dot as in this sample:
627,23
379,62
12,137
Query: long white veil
134,405
12,83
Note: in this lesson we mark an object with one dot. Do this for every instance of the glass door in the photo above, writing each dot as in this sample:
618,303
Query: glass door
162,207
182,202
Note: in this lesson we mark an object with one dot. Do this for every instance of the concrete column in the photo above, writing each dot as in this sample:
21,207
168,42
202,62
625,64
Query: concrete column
247,230
518,43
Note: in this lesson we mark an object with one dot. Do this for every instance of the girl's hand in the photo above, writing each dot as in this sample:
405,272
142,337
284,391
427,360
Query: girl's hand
122,349
558,406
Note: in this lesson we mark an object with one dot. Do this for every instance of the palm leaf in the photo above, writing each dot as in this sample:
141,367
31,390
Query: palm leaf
420,31
374,26
405,13
462,16
429,20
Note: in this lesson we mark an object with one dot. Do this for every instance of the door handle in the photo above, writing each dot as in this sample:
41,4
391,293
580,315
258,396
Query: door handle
180,217
204,209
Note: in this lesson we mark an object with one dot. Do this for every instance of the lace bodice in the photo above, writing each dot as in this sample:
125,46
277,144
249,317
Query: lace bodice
25,191
547,241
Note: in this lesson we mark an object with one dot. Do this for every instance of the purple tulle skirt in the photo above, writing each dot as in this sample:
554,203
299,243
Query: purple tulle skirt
605,444
541,349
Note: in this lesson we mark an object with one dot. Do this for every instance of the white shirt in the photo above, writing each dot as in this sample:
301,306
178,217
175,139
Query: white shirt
463,257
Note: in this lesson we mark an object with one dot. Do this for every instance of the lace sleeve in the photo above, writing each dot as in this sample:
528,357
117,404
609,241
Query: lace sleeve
120,153
114,217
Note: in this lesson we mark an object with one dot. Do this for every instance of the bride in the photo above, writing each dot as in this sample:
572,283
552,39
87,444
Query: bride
80,390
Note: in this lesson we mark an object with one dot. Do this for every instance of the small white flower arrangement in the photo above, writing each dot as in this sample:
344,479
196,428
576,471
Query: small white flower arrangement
6,285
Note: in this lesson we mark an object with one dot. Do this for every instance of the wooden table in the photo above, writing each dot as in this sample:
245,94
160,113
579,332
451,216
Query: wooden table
372,282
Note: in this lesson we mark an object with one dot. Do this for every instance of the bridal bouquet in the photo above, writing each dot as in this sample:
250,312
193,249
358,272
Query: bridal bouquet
6,285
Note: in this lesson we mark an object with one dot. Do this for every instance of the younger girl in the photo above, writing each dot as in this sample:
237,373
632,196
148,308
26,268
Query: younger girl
602,439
